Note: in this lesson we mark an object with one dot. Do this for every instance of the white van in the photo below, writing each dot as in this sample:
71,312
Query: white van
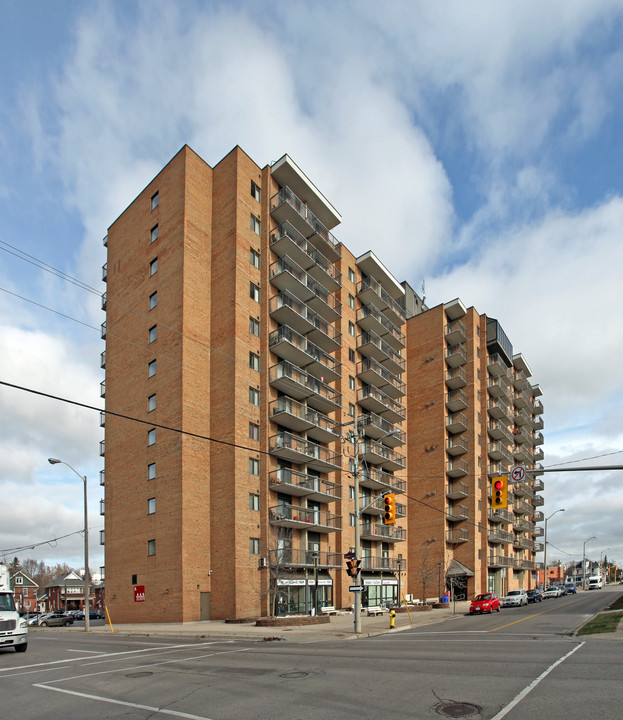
595,583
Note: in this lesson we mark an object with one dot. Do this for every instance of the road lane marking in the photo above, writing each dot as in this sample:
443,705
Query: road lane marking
528,617
161,711
518,698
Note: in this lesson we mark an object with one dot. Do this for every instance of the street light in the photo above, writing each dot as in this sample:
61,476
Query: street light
592,537
545,548
356,439
56,461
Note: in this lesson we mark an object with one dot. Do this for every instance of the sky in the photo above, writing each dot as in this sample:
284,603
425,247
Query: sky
474,147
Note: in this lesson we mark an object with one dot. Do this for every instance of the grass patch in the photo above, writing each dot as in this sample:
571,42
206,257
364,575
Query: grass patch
617,604
603,623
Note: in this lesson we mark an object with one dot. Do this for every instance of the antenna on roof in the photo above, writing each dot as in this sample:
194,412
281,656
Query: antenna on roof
423,291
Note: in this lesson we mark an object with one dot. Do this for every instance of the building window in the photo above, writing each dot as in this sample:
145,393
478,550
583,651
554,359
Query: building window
151,403
151,547
351,520
351,355
351,492
254,501
153,300
152,333
151,436
151,506
351,409
153,267
255,224
351,274
351,328
154,233
255,191
352,466
254,292
255,258
19,580
351,382
151,471
254,327
254,466
151,369
351,301
254,361
155,200
254,431
254,546
254,396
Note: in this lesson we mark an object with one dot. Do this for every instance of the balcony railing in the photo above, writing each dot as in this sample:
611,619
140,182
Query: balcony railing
376,453
377,427
371,319
370,292
292,482
288,310
500,536
373,373
456,400
457,490
455,332
457,512
301,518
300,418
294,557
457,468
456,423
500,561
456,445
372,399
380,562
456,355
376,479
294,347
371,345
457,536
102,507
102,477
378,531
500,516
456,377
301,385
300,450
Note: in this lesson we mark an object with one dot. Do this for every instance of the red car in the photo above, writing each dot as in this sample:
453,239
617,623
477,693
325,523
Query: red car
485,603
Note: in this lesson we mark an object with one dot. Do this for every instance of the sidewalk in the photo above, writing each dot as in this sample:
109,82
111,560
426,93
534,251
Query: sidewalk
340,626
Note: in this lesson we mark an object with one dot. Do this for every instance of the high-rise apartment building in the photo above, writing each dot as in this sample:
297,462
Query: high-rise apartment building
247,339
473,415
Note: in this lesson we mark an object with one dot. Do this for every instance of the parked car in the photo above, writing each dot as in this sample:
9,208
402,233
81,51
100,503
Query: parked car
571,588
484,603
534,596
55,619
551,592
32,618
563,589
515,598
93,615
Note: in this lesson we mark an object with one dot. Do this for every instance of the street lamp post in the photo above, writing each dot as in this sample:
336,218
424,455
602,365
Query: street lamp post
55,461
545,548
399,578
592,537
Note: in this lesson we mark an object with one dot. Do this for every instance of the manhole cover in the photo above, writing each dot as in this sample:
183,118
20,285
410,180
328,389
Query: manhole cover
139,674
294,674
458,710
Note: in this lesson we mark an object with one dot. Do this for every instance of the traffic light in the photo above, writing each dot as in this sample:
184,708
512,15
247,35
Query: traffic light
389,515
352,567
500,493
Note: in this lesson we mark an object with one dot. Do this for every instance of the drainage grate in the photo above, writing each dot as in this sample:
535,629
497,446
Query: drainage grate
458,709
294,674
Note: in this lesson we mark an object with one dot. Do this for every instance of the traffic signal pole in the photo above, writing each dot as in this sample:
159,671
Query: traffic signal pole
357,611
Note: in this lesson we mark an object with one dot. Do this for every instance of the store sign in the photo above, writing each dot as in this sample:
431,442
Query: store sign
139,593
301,582
375,581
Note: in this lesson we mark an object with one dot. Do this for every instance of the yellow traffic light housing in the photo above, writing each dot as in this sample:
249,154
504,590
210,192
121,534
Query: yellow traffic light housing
499,498
389,515
352,567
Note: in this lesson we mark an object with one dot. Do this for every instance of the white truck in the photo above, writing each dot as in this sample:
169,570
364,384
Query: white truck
13,628
595,582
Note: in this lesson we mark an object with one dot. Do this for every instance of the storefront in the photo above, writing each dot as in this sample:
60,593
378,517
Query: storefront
300,594
379,590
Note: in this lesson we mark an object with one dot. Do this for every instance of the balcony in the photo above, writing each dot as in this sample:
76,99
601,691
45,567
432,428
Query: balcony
500,536
103,389
103,359
537,501
292,381
457,490
376,453
522,507
294,348
102,477
454,537
104,299
456,400
523,542
498,386
538,485
456,355
292,482
456,423
456,445
456,468
537,407
102,448
498,410
372,320
298,450
373,373
538,531
499,431
300,418
371,345
285,206
102,418
497,451
377,427
370,292
500,561
522,400
378,531
501,516
496,365
521,489
376,479
520,435
457,513
537,423
456,378
102,507
539,516
105,272
287,241
382,563
103,333
455,332
102,537
287,276
522,454
300,518
292,312
292,557
538,439
521,417
369,398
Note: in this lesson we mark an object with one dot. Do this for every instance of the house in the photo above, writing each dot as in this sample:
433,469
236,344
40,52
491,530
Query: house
25,592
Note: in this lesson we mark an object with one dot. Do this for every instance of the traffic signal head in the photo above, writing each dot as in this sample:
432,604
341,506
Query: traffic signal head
352,567
389,515
500,493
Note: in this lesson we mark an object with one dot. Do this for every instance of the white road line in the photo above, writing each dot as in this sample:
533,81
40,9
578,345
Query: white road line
93,652
534,683
162,711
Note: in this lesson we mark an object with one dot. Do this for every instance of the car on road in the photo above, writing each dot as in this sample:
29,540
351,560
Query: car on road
55,619
534,596
514,598
93,615
31,618
571,588
551,592
484,603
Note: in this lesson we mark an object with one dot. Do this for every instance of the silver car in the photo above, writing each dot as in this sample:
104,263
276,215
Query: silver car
55,619
515,597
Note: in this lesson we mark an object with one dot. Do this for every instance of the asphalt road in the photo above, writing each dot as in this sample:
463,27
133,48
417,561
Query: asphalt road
518,664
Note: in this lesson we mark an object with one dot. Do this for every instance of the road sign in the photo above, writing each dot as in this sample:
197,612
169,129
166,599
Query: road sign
518,473
349,556
356,588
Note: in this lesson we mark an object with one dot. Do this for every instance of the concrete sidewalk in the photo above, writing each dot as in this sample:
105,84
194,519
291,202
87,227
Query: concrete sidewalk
340,626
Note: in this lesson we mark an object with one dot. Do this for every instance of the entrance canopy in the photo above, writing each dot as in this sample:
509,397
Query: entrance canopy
457,569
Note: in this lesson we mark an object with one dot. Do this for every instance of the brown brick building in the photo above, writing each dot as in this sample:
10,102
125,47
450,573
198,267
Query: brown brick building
247,339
